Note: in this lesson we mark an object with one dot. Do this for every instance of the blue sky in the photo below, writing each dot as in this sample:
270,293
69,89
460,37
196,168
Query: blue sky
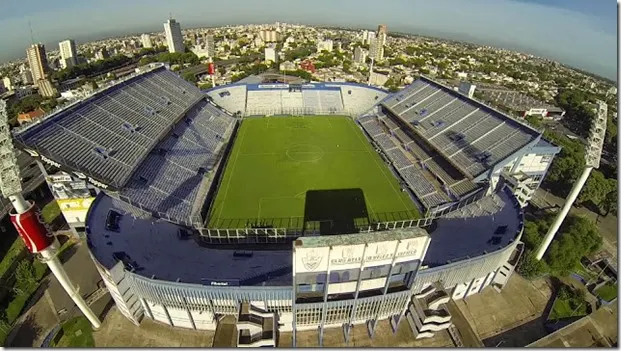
581,33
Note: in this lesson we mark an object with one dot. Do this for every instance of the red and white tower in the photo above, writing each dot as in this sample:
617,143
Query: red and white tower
26,218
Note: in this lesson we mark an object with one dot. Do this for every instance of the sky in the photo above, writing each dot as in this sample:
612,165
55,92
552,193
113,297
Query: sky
579,33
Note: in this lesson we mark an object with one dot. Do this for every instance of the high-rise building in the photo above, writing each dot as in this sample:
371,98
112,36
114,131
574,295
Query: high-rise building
376,50
382,33
370,38
174,39
269,35
46,88
360,55
270,55
146,41
68,53
37,61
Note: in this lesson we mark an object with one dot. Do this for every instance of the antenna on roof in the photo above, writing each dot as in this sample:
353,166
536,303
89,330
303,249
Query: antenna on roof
31,35
170,15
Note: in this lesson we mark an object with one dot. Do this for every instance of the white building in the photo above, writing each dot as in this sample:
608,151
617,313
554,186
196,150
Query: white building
68,53
370,38
270,55
6,82
360,55
146,41
327,45
174,39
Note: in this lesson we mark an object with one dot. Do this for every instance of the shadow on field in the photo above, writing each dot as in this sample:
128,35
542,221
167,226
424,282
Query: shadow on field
336,211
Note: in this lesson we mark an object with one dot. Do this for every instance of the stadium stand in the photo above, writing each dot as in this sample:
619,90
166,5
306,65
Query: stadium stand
167,182
232,98
358,100
472,136
108,136
151,137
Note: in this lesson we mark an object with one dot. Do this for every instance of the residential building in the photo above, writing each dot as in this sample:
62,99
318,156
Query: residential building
30,116
174,39
382,33
270,55
68,53
7,83
326,45
102,54
46,88
37,61
146,41
360,55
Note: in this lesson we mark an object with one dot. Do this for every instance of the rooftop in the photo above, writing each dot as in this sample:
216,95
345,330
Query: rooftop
154,248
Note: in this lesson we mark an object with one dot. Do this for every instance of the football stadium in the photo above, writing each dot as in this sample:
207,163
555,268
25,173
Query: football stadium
293,207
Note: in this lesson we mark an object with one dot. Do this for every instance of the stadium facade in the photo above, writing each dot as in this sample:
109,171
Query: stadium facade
150,150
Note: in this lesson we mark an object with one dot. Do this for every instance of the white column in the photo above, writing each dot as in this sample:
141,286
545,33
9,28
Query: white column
49,254
563,213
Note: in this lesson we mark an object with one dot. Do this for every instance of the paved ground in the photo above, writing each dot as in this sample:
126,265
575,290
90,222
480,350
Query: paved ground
521,304
31,328
596,330
384,337
226,333
118,331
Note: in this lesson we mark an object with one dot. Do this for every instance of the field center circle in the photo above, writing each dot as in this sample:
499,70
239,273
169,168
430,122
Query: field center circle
305,153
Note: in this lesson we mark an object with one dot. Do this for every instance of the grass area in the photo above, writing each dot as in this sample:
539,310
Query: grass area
564,309
14,250
568,303
50,211
607,292
283,170
77,332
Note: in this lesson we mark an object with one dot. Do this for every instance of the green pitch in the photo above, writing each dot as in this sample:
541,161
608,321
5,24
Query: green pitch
284,171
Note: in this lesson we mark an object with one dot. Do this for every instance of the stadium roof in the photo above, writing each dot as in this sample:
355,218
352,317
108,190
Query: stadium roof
108,134
154,248
470,135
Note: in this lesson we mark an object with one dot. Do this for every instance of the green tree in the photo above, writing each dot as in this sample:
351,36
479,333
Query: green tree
25,278
578,237
190,77
609,203
595,189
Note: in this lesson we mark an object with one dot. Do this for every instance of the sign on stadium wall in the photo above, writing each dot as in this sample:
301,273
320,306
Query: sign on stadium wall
358,255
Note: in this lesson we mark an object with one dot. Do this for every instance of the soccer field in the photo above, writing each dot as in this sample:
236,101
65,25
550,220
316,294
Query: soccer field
285,171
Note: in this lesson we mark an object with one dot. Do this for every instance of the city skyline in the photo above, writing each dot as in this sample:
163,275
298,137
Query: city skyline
574,32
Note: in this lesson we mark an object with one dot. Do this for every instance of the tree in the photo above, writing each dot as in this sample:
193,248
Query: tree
609,203
595,189
578,237
190,77
25,278
530,267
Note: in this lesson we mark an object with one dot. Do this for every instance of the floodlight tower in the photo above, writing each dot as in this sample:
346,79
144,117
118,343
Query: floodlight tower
592,157
26,218
211,69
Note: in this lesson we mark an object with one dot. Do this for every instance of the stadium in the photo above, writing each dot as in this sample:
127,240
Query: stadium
293,207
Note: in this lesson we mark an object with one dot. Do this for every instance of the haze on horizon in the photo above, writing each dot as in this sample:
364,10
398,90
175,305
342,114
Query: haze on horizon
579,33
